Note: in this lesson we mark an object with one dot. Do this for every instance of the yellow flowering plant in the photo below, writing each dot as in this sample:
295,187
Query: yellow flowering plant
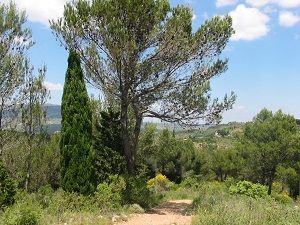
159,183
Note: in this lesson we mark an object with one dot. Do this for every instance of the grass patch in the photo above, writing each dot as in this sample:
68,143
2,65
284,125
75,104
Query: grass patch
215,205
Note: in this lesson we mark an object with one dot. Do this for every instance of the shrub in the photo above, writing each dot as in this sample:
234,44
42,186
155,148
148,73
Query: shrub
249,189
160,183
282,197
26,211
190,182
134,208
109,195
137,192
215,205
8,188
44,195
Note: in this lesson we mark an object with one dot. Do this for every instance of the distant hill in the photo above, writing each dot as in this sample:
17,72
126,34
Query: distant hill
53,118
53,111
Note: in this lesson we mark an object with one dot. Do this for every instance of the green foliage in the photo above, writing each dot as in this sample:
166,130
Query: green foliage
13,55
134,60
108,196
270,141
108,147
136,192
77,158
249,189
215,205
25,211
289,175
190,183
44,195
46,163
44,160
134,208
163,153
159,183
8,188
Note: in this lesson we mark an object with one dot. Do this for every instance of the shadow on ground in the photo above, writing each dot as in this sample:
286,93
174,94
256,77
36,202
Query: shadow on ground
176,208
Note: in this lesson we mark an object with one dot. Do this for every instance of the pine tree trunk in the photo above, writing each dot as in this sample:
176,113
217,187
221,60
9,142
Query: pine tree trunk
126,139
1,134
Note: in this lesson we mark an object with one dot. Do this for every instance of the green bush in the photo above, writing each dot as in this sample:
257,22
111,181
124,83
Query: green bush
136,192
249,189
209,192
190,182
160,183
215,205
44,195
109,195
282,197
8,188
26,211
133,208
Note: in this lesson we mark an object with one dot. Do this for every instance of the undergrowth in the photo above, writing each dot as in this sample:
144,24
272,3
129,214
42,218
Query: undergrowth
215,205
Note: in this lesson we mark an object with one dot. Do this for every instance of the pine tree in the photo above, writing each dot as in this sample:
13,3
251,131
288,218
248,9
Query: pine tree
77,160
109,151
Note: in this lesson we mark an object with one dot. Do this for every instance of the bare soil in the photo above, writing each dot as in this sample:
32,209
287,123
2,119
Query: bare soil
167,213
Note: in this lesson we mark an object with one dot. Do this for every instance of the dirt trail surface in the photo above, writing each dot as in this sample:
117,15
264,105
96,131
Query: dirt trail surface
167,213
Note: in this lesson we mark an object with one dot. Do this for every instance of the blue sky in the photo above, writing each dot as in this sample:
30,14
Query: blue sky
264,53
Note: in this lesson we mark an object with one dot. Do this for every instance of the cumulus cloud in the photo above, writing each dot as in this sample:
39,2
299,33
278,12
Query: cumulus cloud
221,3
288,19
40,10
288,3
282,3
53,87
249,23
258,3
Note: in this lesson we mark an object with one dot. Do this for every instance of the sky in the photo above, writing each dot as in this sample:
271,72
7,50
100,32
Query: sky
264,52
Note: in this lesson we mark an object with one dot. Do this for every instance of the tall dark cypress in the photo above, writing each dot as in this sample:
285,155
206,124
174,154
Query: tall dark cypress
77,160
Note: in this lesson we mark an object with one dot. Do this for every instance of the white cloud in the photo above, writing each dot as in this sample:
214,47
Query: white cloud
288,19
41,10
270,9
288,3
258,3
249,23
53,87
282,3
194,16
221,3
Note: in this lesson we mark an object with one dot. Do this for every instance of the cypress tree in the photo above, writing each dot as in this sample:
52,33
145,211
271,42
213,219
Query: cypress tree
77,160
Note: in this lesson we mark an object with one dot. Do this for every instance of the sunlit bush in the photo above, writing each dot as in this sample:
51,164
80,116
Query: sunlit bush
26,210
249,189
159,183
109,195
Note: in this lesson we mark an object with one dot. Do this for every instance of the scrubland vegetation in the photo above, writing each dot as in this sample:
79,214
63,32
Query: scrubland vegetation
230,200
103,166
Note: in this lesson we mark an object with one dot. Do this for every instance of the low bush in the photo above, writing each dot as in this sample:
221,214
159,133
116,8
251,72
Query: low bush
26,211
159,183
133,208
249,189
136,192
190,183
109,195
215,205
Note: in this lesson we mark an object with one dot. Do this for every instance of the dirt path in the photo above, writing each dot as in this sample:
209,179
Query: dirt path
167,213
